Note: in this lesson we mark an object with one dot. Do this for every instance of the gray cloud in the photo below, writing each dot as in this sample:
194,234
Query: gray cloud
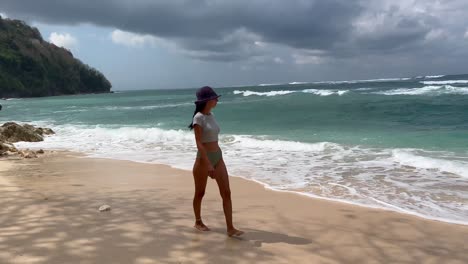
232,30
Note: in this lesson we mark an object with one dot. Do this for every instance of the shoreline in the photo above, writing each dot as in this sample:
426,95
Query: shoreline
308,195
312,196
50,216
271,188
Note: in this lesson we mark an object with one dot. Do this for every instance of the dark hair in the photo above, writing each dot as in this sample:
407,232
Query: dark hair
198,108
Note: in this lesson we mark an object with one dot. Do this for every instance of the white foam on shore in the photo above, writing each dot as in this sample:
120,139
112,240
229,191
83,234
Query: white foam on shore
404,180
408,158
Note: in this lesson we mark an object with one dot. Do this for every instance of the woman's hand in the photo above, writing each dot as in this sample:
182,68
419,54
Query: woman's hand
211,171
198,134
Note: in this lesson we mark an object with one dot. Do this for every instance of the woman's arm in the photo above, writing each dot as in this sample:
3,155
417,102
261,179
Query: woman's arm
201,148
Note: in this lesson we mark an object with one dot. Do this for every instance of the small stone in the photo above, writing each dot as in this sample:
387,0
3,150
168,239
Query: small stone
30,156
104,208
41,151
27,154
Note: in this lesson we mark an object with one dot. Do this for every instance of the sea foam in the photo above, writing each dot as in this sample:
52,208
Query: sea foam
445,82
405,180
427,90
321,92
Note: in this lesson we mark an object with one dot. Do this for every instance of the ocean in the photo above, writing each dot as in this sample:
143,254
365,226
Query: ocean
400,144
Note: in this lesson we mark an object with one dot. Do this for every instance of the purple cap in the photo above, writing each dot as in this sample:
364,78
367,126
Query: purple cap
205,94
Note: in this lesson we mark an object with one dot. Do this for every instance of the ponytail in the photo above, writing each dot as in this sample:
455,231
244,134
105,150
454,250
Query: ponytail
198,108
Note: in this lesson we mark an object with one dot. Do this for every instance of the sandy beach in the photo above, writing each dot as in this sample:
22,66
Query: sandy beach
49,214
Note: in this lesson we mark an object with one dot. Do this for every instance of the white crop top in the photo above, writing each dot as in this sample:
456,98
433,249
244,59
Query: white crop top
209,126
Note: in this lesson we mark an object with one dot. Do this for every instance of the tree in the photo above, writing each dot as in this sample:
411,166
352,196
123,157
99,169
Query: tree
32,67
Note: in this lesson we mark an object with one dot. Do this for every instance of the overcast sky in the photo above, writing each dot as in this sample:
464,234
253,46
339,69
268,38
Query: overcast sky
150,44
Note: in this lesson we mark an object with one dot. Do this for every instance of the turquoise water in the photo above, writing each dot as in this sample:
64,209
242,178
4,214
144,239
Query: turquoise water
401,144
429,121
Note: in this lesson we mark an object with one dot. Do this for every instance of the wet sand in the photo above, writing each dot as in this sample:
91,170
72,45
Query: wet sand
49,214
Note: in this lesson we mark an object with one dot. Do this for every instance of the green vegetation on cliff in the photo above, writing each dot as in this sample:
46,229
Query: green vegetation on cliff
32,67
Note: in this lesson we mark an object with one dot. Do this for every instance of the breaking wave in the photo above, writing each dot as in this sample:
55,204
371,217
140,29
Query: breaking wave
320,92
427,90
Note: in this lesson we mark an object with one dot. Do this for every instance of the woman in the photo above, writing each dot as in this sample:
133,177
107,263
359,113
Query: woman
209,161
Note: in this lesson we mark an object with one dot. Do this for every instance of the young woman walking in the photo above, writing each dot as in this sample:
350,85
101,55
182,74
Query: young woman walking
209,161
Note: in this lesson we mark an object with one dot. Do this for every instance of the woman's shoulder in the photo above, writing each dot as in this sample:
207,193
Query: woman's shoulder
199,118
199,115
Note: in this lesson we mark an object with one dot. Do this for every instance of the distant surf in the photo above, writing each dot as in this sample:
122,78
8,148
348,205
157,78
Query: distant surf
320,92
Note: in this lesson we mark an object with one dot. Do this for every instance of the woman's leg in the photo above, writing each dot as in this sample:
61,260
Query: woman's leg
200,176
222,178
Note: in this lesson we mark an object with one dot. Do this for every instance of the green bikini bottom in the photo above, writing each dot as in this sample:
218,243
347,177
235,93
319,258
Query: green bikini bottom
213,156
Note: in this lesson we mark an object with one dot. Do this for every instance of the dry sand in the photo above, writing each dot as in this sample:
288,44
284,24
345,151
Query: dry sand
49,214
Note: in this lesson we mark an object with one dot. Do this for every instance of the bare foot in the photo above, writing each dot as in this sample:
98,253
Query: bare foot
201,226
234,232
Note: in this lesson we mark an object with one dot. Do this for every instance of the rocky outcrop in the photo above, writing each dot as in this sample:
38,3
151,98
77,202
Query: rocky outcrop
12,132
